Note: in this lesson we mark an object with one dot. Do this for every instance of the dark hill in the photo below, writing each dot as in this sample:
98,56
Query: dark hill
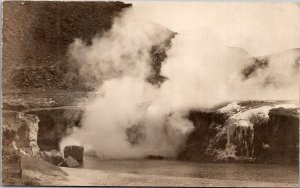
36,36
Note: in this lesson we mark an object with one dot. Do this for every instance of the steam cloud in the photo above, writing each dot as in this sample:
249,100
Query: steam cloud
134,118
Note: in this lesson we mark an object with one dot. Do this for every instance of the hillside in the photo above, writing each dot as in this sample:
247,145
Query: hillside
36,36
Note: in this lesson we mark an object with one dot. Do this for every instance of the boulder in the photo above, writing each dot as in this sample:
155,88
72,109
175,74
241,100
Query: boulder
70,162
53,157
76,152
19,133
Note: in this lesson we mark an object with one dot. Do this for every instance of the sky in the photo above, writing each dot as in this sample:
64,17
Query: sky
259,28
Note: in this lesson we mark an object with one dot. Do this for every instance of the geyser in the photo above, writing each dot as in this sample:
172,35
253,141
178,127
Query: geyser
133,117
121,61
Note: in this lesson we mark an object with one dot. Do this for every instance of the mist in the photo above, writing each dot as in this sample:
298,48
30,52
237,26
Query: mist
132,118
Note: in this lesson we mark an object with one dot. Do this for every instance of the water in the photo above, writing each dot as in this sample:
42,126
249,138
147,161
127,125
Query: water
248,172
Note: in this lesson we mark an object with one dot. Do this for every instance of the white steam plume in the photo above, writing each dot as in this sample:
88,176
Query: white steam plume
124,121
133,118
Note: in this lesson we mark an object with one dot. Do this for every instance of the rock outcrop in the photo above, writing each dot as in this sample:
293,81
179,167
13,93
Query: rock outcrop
19,137
55,124
19,133
283,142
263,132
76,152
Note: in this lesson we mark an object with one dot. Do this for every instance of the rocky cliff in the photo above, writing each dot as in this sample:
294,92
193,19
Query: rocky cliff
20,131
55,124
19,137
250,131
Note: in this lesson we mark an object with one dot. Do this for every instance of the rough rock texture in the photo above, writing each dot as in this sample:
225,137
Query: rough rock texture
207,138
52,156
19,133
55,124
255,132
71,162
197,141
159,54
76,152
283,142
19,137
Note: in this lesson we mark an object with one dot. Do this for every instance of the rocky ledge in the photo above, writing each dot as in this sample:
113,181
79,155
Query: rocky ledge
253,131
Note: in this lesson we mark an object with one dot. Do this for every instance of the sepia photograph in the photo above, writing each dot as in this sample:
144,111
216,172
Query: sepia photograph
150,93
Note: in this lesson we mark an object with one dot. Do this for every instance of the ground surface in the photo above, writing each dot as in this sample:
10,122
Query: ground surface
97,177
163,173
22,101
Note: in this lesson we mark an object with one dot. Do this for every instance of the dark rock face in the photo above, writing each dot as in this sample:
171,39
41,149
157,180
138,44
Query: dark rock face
135,134
19,132
253,68
76,152
55,124
159,54
263,63
198,140
281,135
205,136
270,140
19,137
